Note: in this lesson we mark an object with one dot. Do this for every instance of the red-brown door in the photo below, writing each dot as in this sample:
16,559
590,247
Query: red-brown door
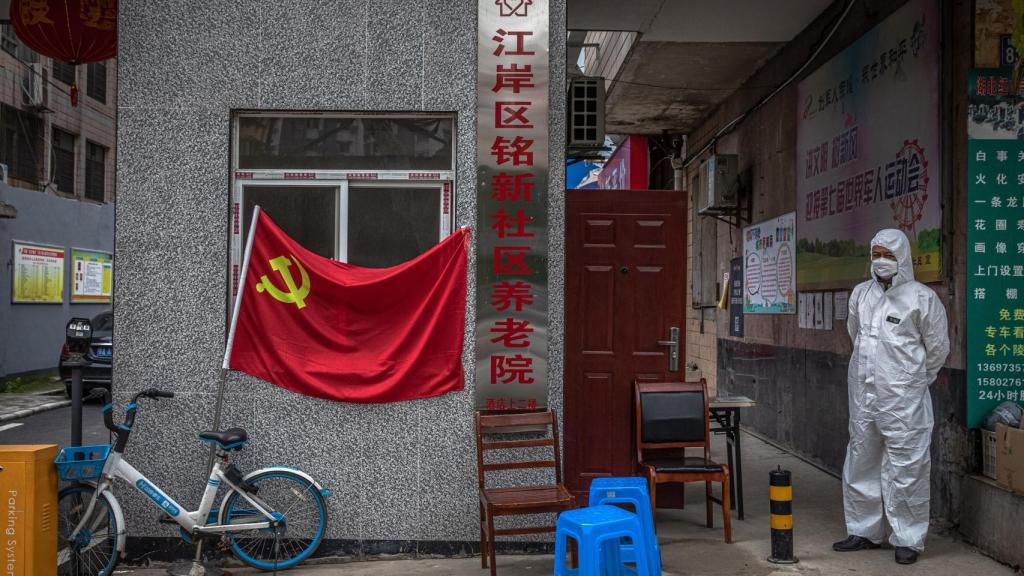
625,290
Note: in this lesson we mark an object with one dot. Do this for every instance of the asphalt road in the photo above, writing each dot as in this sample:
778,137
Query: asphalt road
54,427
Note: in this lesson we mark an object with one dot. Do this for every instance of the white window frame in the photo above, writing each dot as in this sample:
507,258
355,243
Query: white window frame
443,180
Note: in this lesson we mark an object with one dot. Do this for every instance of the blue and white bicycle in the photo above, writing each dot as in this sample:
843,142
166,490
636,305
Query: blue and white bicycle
272,519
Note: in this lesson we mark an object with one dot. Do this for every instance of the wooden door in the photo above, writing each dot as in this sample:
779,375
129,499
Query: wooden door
625,289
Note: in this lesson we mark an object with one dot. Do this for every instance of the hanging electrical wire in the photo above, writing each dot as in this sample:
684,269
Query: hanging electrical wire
763,101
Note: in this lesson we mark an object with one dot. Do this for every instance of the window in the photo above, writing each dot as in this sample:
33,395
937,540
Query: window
21,143
306,213
64,72
62,171
374,191
95,168
9,39
12,44
96,87
324,142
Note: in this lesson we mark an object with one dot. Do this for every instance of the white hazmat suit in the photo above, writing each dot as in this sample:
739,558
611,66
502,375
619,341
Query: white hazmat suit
900,342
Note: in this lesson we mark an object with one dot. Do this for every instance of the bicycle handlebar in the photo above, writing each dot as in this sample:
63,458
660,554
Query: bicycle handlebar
124,429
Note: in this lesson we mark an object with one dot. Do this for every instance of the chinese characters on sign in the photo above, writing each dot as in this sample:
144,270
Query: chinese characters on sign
868,151
512,184
736,297
92,276
38,274
995,244
769,281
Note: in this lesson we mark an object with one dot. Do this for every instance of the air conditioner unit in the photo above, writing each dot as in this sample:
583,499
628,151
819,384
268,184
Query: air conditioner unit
586,112
34,85
719,185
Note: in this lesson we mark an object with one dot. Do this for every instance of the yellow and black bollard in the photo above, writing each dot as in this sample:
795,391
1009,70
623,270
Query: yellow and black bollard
781,495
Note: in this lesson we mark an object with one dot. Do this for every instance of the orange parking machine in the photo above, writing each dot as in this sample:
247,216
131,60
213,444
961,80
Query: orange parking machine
28,492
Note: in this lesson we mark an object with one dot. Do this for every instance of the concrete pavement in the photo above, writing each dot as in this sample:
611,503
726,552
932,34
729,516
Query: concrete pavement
688,548
15,406
54,427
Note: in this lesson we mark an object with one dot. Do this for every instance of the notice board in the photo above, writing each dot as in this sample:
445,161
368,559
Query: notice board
769,262
92,276
869,151
995,243
38,274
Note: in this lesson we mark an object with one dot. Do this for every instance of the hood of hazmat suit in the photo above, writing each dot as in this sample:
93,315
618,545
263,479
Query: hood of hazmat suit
900,341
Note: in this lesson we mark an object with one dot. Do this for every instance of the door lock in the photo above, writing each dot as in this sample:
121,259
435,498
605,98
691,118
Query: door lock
673,348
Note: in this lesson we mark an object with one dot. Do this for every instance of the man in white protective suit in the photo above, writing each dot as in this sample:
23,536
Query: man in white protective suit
900,341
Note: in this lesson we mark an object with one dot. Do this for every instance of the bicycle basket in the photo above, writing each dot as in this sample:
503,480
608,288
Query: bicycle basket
81,462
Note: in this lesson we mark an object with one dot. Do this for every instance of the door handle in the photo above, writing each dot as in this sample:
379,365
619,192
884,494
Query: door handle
673,348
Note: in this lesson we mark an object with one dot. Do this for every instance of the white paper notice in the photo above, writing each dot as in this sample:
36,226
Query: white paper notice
802,312
842,305
828,310
819,311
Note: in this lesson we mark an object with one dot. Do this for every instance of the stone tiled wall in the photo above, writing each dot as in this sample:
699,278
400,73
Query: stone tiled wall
399,472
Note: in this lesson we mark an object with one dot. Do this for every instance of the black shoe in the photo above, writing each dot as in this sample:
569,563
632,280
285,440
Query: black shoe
906,555
854,543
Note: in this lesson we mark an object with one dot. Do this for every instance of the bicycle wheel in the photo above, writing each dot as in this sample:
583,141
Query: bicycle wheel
294,500
94,551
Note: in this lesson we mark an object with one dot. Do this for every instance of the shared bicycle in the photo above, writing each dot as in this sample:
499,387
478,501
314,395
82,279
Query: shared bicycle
272,519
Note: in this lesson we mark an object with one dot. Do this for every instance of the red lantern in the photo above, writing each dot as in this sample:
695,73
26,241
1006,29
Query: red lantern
75,31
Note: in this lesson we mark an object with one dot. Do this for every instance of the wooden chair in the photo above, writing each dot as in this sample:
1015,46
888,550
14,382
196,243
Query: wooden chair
671,417
516,500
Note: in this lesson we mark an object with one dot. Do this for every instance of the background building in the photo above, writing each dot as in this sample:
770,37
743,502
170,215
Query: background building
57,166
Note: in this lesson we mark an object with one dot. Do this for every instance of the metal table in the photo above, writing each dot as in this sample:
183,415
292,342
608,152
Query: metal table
726,413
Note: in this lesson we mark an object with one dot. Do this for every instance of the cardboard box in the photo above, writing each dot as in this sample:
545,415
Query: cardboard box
1010,458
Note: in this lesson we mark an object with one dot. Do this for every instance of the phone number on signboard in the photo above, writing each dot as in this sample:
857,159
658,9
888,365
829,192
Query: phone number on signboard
1000,382
999,367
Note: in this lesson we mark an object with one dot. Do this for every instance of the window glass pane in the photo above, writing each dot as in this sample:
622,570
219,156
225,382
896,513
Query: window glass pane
388,226
94,171
20,135
64,72
344,143
63,158
96,86
306,213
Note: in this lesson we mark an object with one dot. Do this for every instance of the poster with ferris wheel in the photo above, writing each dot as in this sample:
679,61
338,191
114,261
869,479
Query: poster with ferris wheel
869,151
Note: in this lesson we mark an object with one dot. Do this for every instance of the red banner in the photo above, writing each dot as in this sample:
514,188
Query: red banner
341,332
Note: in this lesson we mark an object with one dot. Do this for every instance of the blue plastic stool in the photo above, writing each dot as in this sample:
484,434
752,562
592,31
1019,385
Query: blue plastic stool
630,490
597,530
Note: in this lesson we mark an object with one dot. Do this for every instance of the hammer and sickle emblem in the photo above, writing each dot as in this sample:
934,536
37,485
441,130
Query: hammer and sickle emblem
295,294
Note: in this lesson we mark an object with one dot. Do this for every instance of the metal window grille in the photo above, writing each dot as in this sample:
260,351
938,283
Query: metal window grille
586,112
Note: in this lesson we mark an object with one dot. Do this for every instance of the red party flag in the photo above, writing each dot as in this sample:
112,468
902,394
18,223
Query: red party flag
341,332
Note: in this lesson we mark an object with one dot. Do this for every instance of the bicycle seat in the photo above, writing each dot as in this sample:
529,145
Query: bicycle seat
230,439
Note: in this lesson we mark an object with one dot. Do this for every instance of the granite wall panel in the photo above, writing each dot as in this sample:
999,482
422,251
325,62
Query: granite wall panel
402,474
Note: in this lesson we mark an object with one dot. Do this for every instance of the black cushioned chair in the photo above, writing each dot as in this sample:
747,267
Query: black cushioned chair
671,417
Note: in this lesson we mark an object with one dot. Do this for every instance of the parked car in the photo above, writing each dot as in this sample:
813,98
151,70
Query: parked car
97,371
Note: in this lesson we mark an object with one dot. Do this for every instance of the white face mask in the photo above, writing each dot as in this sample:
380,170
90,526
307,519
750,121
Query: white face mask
884,268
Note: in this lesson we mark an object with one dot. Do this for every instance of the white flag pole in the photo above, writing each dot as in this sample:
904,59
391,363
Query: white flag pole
231,333
241,285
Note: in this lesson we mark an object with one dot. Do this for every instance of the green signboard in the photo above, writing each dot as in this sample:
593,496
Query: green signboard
995,243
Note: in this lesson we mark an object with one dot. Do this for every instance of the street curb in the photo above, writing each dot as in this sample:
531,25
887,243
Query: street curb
34,410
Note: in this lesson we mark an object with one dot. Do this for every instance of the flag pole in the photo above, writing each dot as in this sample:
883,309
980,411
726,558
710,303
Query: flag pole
231,333
241,286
